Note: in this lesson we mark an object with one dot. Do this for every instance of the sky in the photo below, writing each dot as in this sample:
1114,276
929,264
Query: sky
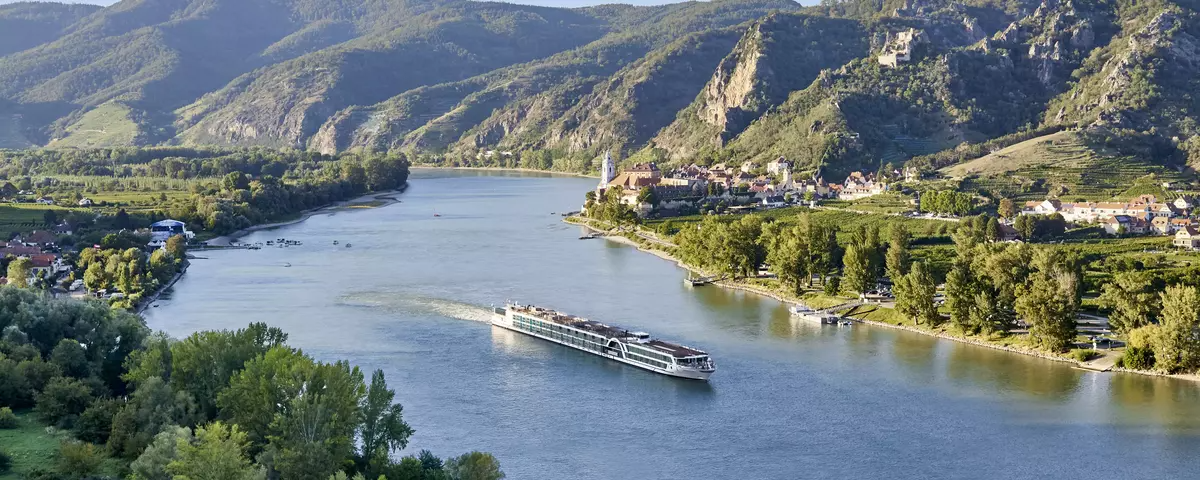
547,3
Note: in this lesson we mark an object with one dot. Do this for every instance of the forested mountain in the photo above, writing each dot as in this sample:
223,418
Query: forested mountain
26,25
695,81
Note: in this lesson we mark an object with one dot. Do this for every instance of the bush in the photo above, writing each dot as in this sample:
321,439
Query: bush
1083,354
1137,358
63,399
5,462
95,423
78,459
7,418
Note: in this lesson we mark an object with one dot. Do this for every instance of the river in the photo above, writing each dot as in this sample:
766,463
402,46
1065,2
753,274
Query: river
411,296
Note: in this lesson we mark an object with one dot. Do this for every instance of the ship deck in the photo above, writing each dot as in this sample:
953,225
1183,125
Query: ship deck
609,331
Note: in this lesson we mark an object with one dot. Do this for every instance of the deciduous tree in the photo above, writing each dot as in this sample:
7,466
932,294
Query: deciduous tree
1132,299
1176,340
218,453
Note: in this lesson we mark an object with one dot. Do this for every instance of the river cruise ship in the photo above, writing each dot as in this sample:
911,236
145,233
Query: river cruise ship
615,343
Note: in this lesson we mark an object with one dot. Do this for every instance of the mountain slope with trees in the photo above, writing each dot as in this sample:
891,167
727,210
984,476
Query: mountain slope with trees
446,80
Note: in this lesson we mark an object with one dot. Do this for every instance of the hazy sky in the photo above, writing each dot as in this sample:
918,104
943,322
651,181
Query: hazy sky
549,3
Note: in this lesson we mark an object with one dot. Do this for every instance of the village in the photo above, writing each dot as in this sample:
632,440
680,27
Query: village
52,257
726,188
687,188
1145,215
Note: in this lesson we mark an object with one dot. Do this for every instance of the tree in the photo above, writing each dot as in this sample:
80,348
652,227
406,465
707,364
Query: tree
833,286
94,277
203,363
313,434
152,463
218,453
50,217
121,219
1007,209
960,296
993,229
1049,303
177,247
474,466
1026,226
856,275
1132,299
383,428
1176,341
95,423
63,399
71,358
787,254
260,390
647,195
18,272
153,408
914,295
898,257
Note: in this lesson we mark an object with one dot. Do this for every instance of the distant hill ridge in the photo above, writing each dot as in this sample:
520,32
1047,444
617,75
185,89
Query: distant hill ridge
695,81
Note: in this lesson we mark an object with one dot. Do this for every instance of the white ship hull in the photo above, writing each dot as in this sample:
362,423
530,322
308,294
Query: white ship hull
505,321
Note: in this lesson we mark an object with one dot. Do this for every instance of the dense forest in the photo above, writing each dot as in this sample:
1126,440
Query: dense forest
243,187
215,405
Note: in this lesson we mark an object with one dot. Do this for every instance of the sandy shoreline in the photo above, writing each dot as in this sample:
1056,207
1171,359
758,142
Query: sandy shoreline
943,335
387,198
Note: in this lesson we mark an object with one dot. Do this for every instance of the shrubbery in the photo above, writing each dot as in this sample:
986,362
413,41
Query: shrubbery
7,418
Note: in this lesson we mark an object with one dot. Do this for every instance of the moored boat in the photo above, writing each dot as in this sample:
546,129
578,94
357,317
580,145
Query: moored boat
805,313
615,343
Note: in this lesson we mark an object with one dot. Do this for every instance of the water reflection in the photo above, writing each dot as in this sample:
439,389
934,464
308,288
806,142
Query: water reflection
860,402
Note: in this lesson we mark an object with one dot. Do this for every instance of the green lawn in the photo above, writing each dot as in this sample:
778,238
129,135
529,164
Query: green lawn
25,217
30,446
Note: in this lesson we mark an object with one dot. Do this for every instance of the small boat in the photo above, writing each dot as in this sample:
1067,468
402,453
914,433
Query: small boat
814,316
287,264
347,245
845,323
437,215
335,242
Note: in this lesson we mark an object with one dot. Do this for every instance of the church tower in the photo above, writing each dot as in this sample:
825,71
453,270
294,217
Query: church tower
608,171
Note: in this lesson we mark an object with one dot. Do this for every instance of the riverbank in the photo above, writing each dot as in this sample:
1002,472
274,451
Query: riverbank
372,200
147,302
1104,363
504,169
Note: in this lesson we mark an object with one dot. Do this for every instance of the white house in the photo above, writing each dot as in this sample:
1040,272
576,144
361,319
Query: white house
774,167
85,202
1187,237
162,230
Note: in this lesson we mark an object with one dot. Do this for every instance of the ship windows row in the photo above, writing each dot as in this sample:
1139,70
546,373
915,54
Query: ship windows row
638,357
645,352
550,326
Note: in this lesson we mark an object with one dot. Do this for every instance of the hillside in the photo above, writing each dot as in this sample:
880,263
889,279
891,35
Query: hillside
1068,164
26,25
845,85
515,108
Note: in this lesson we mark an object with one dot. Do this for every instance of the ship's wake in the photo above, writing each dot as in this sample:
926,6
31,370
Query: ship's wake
417,305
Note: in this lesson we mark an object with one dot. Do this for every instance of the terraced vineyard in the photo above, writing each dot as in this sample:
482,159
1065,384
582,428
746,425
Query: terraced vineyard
1063,165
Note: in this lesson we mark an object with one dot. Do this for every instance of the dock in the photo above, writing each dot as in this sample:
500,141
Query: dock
701,281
